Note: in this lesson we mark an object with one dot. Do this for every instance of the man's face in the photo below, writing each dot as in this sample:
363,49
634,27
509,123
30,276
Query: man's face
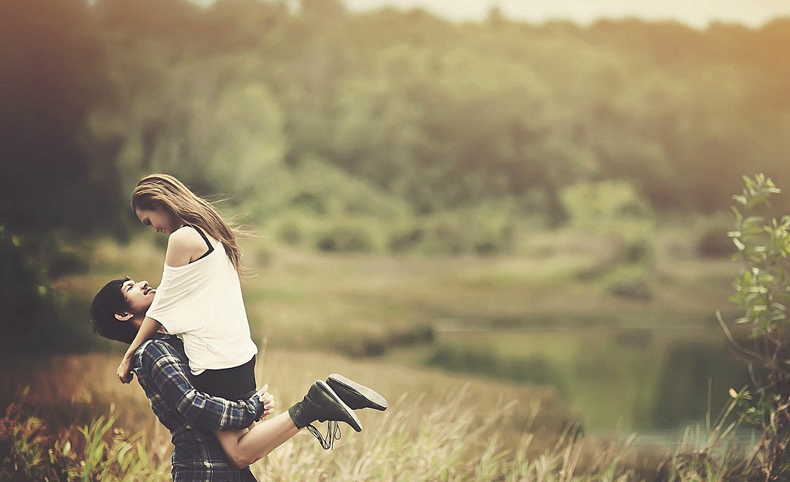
139,295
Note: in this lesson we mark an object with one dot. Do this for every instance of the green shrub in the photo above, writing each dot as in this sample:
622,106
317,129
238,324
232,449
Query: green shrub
36,316
24,449
67,262
94,452
405,240
482,230
606,206
444,236
411,336
310,202
290,233
630,282
763,292
637,251
344,238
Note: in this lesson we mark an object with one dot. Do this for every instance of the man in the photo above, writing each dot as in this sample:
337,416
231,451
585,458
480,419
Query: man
162,370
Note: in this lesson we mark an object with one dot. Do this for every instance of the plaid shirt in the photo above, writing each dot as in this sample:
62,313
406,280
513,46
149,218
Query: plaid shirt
162,369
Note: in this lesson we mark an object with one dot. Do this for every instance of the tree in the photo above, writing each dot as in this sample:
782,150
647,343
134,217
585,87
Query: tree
53,185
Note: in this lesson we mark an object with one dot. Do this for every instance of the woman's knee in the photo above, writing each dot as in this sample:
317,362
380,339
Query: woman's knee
239,461
237,457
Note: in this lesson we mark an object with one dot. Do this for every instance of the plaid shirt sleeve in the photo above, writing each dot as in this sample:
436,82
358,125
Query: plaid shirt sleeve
169,373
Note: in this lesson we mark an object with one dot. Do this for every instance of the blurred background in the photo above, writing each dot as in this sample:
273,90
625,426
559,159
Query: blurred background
522,197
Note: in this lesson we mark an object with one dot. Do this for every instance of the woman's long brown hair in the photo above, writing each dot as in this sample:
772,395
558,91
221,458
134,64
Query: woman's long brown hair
170,194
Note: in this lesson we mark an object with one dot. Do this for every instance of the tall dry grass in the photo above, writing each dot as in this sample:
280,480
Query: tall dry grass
452,441
431,414
439,427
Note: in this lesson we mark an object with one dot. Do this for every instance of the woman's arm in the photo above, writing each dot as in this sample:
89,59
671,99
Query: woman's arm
182,246
146,331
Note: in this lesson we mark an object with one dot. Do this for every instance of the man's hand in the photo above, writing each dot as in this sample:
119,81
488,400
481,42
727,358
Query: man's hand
124,371
268,401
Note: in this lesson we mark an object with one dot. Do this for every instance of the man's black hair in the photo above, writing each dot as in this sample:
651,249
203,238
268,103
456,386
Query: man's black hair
107,302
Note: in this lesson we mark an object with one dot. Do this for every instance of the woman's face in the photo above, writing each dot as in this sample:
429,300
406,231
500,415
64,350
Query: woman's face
158,218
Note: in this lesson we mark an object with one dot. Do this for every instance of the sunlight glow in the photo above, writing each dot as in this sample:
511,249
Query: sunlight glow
698,13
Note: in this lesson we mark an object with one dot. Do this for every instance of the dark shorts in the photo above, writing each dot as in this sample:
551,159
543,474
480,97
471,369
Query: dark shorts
237,383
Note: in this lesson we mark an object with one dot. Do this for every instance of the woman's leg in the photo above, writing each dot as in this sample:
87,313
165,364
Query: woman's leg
229,441
245,447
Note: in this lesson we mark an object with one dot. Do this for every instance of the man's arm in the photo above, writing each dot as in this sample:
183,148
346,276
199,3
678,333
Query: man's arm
168,371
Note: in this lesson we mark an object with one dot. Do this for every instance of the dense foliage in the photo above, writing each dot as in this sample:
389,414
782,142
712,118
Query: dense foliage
387,131
57,182
763,291
398,131
433,116
441,115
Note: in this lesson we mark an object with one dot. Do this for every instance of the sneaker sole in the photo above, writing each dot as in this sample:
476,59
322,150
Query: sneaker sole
354,422
375,401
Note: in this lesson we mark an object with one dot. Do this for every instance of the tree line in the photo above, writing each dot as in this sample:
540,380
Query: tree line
318,113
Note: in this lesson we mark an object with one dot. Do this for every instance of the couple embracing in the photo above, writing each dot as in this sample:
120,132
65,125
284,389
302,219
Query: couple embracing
190,346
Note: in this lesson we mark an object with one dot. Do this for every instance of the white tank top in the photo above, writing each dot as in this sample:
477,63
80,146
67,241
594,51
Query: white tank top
201,302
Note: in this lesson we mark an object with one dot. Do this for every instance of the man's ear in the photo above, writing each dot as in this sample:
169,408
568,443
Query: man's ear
125,316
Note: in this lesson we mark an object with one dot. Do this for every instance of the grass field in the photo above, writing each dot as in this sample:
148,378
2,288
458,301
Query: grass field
379,318
75,389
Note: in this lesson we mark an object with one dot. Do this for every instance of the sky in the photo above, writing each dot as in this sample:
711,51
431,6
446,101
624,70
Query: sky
696,13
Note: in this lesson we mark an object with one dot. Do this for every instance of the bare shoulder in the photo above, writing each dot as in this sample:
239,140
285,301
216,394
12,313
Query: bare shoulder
183,245
184,236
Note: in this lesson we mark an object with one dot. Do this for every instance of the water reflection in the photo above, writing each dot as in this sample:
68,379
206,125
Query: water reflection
683,390
618,378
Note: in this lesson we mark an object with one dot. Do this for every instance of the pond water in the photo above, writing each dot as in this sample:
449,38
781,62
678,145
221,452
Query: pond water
650,376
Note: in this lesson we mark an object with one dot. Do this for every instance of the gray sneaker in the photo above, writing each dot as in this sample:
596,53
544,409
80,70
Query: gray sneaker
322,404
354,395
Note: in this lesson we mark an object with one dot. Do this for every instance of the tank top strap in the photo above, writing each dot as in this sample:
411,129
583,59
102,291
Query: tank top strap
205,238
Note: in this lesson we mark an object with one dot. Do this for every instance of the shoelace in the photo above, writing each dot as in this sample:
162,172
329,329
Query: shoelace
332,433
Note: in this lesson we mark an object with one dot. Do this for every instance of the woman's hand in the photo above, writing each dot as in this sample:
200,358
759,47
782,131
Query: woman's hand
268,401
124,371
